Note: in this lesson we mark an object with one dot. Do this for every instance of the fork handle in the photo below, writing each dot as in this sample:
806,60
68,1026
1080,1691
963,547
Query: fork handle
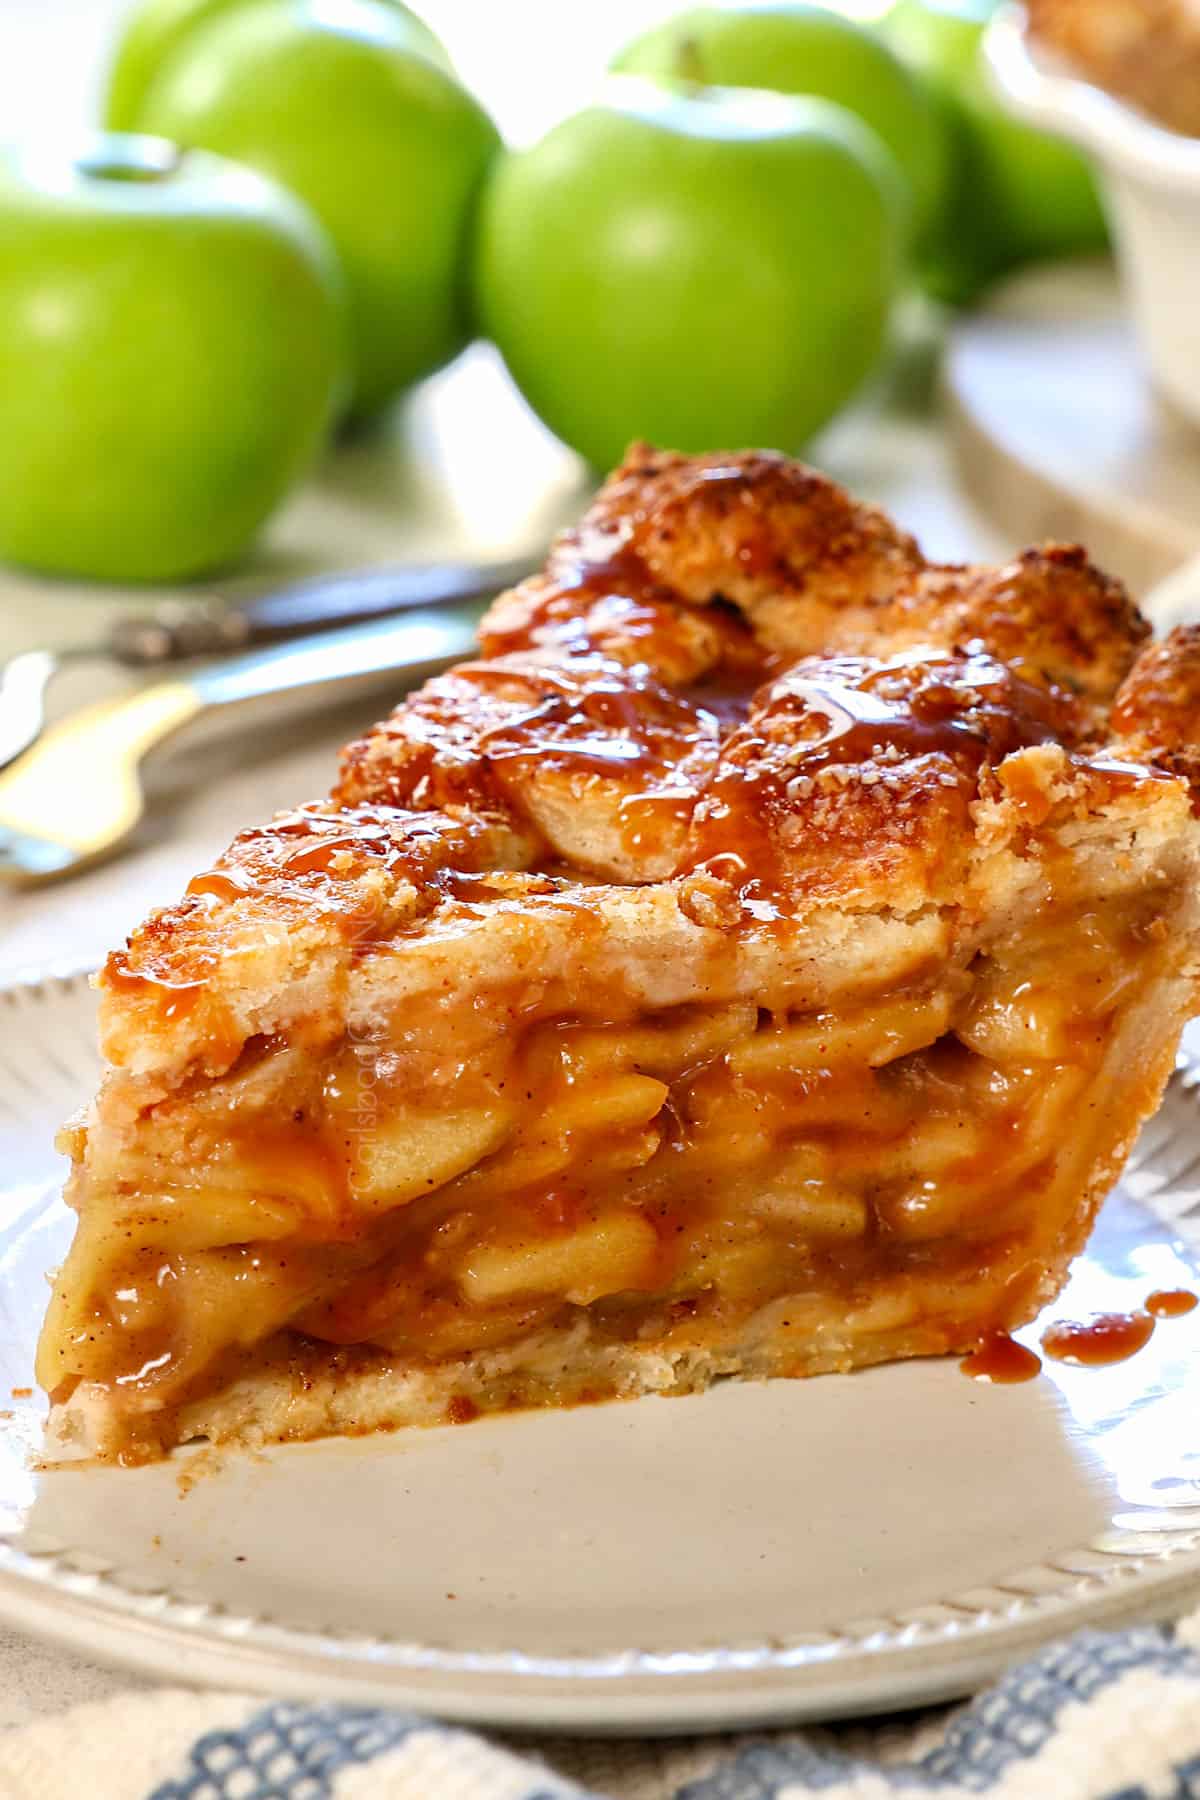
78,791
213,627
77,794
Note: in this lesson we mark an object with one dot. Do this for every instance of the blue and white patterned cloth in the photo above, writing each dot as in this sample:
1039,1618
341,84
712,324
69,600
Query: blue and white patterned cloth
1098,1717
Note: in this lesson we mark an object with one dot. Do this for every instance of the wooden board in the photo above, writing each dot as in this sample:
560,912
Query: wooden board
1057,431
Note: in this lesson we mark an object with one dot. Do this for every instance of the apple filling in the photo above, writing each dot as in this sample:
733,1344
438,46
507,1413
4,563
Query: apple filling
904,1168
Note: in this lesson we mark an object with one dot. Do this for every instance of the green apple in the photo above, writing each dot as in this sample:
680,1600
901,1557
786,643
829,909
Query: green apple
798,48
385,147
1016,195
156,28
708,270
171,354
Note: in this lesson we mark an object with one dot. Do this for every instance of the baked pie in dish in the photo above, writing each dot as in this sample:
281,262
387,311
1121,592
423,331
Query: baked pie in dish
1145,51
758,962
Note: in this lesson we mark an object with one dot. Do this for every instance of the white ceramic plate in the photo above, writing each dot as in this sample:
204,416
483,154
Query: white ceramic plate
757,1554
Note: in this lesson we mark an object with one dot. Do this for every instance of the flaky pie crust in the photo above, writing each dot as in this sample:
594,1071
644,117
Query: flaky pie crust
738,757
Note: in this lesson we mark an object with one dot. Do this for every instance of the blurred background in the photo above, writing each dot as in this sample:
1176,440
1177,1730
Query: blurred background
451,264
530,61
970,194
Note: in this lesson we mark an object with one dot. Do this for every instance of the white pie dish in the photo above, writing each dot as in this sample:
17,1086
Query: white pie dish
1151,180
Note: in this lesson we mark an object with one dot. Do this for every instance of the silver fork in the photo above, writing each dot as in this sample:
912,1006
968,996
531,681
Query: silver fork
179,630
77,795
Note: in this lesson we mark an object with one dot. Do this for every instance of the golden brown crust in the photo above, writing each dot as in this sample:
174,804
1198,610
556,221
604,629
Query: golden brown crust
317,880
1049,614
1145,51
541,740
749,529
642,702
854,777
742,927
1156,714
627,704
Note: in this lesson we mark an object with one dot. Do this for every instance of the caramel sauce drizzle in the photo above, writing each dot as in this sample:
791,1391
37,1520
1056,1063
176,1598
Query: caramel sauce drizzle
1171,1303
1096,1342
227,884
304,843
622,571
1001,1360
966,710
293,857
610,719
119,976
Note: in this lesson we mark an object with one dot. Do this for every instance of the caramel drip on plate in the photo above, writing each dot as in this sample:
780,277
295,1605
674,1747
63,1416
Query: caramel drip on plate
999,1358
1096,1342
1170,1303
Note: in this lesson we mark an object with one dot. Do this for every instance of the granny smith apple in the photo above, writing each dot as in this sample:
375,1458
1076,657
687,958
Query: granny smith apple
798,48
171,353
1016,195
708,270
386,148
157,28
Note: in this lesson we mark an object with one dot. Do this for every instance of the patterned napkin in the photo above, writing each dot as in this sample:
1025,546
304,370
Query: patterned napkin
1111,1716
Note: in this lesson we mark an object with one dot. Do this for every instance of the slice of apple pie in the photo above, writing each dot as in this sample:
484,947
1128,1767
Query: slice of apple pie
758,962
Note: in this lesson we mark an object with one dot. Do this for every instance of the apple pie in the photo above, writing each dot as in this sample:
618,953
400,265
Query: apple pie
758,962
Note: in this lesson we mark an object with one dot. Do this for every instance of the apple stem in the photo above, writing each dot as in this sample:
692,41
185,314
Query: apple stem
689,63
